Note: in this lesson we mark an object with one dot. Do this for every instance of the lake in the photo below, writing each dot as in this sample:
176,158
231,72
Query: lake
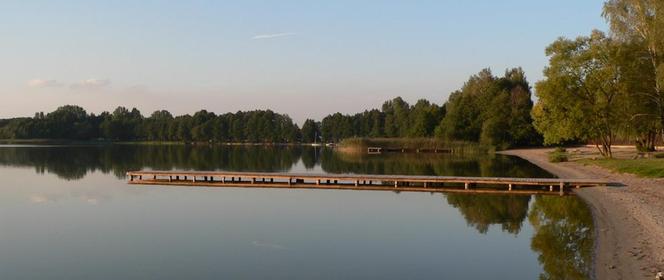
66,212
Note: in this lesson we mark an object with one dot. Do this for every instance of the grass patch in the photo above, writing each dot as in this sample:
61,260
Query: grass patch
647,167
558,155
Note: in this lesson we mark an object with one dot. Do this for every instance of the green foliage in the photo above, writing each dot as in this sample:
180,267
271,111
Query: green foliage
558,155
72,122
395,119
581,96
491,110
310,131
641,24
649,168
560,150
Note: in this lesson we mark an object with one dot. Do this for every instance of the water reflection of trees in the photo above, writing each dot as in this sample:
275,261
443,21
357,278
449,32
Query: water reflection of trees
430,164
72,163
481,211
563,228
563,225
563,237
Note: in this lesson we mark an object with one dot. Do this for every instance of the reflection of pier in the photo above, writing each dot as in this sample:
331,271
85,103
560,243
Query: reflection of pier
362,182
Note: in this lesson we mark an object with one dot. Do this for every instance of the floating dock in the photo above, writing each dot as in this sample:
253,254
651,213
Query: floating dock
363,182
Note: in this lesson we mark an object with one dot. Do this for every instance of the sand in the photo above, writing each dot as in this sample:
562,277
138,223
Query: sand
629,219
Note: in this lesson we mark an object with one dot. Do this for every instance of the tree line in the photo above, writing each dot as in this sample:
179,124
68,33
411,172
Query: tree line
487,109
73,122
600,87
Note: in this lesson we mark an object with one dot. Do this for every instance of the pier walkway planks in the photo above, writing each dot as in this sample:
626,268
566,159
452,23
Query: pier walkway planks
362,182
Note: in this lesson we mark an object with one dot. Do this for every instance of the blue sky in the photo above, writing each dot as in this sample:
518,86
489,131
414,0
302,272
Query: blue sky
304,58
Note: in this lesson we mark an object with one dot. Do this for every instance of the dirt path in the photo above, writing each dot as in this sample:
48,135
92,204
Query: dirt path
629,220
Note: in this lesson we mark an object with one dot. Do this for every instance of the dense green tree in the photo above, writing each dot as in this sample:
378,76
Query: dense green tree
424,117
72,122
397,113
462,120
492,110
122,124
310,131
639,25
580,97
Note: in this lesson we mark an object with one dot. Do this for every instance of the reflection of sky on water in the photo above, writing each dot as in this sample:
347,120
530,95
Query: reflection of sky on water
97,226
100,226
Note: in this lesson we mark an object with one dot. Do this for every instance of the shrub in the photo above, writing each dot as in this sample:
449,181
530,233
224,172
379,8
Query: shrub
558,155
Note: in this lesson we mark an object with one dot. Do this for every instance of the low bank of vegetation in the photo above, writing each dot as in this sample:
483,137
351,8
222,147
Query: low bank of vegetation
360,145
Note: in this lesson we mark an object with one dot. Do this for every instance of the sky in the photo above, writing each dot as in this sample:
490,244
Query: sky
303,58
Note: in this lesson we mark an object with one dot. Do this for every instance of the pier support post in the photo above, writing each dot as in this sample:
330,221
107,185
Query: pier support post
510,187
357,183
562,188
425,184
551,188
193,179
317,182
466,185
396,184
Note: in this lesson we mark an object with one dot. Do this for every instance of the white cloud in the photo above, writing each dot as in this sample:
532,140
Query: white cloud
91,84
273,35
41,83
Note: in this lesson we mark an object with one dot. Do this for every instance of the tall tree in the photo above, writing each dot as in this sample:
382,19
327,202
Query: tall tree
310,131
580,95
641,23
491,110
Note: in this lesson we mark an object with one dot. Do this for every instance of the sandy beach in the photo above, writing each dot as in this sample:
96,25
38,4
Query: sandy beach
629,219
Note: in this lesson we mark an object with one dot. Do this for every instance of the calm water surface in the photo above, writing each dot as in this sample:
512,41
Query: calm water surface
66,212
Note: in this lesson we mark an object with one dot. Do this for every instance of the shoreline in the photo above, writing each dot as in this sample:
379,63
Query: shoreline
629,220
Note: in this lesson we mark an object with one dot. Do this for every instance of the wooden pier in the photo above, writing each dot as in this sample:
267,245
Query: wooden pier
363,182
